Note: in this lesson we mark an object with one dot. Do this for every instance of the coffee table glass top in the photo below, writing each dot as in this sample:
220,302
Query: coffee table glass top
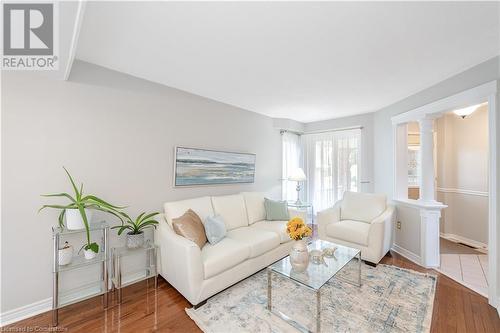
317,275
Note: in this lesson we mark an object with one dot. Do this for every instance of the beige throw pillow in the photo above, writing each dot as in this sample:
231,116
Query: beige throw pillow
190,226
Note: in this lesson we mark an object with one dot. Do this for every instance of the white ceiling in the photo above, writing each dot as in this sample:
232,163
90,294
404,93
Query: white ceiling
303,61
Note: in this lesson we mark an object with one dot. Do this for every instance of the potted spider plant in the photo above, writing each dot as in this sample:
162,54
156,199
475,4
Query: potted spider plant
78,213
135,227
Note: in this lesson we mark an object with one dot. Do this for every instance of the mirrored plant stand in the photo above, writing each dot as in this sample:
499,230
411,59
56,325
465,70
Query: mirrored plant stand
83,292
121,278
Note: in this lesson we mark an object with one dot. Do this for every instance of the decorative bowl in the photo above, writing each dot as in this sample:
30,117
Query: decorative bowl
329,252
316,257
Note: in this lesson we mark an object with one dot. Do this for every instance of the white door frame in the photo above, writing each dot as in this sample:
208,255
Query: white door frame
488,92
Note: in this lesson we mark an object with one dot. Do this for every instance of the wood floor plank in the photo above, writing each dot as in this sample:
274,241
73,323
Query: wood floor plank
456,309
467,310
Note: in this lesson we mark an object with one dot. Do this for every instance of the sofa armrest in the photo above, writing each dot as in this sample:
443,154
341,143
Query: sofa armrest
324,217
180,262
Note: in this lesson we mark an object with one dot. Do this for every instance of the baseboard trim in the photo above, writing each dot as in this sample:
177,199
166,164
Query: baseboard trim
23,312
481,247
407,254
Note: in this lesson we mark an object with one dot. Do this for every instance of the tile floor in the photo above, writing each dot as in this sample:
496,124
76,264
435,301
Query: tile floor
469,269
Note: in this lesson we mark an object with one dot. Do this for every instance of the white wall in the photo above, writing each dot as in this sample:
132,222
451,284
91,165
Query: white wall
364,120
462,170
116,134
289,125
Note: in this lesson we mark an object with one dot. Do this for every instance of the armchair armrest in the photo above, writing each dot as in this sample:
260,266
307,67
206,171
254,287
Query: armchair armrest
180,262
380,236
386,216
330,215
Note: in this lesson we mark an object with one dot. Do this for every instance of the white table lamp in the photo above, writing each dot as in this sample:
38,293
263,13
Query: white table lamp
298,176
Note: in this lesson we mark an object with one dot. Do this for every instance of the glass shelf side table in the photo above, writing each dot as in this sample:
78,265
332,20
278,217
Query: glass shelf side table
302,206
80,293
145,273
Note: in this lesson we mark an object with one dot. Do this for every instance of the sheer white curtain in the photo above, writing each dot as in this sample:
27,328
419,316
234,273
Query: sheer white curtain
332,165
291,149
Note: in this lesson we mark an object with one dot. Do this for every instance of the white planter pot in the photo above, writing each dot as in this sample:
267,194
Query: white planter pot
89,254
65,255
74,219
299,256
135,241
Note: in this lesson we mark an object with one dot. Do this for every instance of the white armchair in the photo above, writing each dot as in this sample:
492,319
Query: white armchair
360,220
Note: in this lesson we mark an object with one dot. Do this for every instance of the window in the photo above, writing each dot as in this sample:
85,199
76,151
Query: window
332,165
413,166
291,147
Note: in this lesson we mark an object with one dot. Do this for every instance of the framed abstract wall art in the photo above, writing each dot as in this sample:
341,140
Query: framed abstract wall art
195,167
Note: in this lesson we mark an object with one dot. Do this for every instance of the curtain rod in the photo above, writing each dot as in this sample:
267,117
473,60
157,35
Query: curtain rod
322,131
335,130
283,131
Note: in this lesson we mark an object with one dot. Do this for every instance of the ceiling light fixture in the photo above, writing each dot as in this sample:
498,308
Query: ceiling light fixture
467,111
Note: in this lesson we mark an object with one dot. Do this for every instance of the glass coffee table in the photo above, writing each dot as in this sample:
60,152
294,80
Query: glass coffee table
315,277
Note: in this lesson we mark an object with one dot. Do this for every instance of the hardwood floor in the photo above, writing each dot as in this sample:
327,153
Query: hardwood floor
456,309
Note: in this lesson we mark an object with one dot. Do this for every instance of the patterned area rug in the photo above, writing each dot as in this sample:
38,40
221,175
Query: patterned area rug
391,299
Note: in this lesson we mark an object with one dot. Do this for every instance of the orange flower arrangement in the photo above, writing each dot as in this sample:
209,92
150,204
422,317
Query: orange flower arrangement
297,229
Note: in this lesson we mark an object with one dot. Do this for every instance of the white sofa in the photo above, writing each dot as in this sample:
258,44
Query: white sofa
251,244
360,220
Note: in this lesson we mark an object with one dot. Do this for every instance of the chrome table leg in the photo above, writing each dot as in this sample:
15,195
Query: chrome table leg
269,300
55,282
119,279
359,269
105,268
155,263
318,311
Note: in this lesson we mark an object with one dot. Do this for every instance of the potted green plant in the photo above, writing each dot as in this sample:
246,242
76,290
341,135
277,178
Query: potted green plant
135,235
78,212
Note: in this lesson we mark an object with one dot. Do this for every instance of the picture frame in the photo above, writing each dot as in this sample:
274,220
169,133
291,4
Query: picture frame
208,167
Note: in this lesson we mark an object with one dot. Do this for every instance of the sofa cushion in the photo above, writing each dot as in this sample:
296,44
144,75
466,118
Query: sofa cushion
258,240
190,226
278,227
201,206
349,231
222,256
254,202
362,206
232,209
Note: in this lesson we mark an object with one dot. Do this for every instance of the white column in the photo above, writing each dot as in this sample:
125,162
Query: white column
426,160
429,237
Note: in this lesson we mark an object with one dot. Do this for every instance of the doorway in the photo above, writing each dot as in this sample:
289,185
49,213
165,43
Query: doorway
461,169
428,208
